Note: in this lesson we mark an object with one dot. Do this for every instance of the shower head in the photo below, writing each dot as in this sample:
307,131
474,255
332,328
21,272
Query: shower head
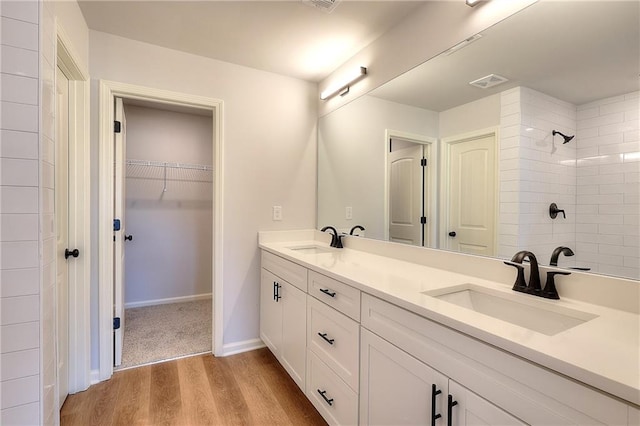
566,138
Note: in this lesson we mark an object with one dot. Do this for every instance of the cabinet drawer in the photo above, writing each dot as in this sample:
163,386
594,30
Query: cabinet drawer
338,403
340,296
287,270
335,338
526,390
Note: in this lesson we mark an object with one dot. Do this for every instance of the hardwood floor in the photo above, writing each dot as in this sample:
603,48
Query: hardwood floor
246,389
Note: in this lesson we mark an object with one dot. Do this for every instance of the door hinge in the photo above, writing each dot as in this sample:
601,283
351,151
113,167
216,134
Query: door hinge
423,220
116,323
117,126
423,162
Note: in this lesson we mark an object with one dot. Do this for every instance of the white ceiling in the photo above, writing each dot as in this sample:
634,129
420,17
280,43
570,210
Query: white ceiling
286,37
574,51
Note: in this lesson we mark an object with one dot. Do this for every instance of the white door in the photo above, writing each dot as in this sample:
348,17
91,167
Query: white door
62,233
470,409
119,207
406,195
396,388
471,195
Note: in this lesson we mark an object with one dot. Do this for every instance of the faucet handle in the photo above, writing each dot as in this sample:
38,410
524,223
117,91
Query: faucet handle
549,291
520,284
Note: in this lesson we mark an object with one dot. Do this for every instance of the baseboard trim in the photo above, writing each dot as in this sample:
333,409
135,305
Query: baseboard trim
167,301
95,376
239,347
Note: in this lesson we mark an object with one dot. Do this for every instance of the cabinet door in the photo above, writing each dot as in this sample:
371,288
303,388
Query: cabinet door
470,409
294,332
397,389
270,312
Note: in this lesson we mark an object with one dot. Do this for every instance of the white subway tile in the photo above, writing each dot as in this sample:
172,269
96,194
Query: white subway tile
19,34
19,89
587,113
20,391
621,106
619,271
617,229
632,262
627,126
632,115
18,227
48,151
615,138
19,282
19,61
629,147
20,309
48,226
606,101
18,144
21,10
48,201
18,172
19,337
23,415
49,250
19,117
587,189
18,254
15,199
617,178
586,133
600,121
20,364
632,136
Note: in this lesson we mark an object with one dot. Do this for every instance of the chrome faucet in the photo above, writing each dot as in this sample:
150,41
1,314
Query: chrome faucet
557,252
336,240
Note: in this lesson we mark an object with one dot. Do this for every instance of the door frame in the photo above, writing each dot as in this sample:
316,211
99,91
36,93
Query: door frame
108,90
79,212
431,147
445,159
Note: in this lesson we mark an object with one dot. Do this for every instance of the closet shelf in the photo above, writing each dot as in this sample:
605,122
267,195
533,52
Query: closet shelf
167,171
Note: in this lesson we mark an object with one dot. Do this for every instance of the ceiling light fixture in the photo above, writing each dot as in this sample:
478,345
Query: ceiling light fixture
472,3
343,88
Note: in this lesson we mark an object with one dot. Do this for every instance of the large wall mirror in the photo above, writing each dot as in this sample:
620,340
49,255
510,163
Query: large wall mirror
469,151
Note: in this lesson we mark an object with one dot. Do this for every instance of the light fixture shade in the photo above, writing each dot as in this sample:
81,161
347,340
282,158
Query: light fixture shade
472,2
342,87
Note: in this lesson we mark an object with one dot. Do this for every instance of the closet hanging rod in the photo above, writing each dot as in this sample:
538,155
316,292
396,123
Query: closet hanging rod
165,164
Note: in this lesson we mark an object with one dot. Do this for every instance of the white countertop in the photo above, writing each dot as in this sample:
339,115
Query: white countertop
603,352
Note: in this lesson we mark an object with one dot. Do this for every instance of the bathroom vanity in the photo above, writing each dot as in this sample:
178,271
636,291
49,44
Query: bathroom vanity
373,339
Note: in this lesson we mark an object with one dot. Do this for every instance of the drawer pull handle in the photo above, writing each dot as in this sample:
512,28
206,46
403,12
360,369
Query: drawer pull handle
276,291
324,336
434,393
450,404
328,292
324,396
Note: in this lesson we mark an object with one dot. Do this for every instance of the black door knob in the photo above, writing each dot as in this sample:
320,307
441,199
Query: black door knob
128,237
452,233
68,253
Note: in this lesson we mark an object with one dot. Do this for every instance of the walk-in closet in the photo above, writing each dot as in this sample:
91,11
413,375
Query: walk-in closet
168,235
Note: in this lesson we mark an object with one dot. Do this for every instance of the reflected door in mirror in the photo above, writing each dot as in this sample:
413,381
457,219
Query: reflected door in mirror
470,201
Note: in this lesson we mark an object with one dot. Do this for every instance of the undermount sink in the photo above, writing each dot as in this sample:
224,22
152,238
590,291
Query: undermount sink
517,309
311,249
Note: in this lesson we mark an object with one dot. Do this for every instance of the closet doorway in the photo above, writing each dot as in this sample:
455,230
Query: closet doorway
163,198
109,266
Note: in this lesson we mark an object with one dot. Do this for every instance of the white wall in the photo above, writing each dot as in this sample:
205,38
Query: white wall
469,117
171,252
269,134
351,158
608,200
21,212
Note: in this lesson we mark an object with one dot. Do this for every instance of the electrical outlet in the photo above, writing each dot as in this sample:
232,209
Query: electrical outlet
277,212
349,213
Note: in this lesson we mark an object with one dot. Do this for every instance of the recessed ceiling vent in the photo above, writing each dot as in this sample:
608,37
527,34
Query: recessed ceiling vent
326,6
488,81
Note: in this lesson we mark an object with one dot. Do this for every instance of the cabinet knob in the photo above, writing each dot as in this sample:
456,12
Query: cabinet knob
68,253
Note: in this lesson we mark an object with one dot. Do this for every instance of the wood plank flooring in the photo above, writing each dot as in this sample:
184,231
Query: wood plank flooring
245,389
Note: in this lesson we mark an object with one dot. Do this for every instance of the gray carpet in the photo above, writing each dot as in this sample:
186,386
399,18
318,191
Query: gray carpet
160,332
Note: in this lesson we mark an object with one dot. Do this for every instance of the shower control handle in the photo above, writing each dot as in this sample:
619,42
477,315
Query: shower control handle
554,210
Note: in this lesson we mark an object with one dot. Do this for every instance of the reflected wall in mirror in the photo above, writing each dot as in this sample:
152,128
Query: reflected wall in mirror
493,162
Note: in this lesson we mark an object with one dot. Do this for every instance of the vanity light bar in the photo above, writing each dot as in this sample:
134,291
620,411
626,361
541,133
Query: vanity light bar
343,88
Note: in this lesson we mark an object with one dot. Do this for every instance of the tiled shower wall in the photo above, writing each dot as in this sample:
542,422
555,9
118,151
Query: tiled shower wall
608,161
27,237
536,169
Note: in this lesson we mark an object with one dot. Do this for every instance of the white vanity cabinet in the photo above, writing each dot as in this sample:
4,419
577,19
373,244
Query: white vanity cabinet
397,389
333,345
283,313
490,386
